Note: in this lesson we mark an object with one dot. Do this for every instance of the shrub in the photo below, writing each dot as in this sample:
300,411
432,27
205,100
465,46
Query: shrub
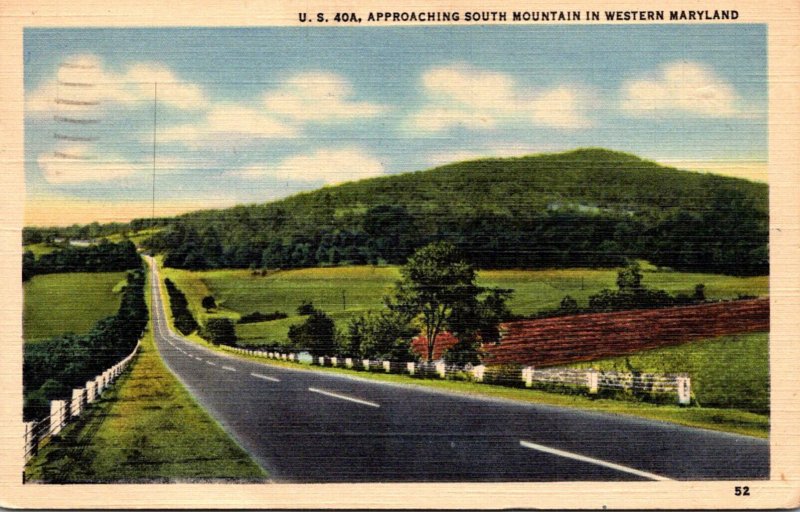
257,316
220,331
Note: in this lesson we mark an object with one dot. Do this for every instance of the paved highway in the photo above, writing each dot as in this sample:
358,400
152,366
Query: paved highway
307,426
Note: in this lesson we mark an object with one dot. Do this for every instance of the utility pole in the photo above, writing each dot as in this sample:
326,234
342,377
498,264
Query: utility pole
155,121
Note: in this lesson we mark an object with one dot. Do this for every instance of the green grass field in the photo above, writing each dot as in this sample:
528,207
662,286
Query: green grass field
728,372
39,249
344,292
71,302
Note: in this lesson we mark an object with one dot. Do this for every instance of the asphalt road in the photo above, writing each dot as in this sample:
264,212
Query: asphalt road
306,426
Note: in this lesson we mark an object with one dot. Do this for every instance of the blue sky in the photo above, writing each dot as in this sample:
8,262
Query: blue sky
250,115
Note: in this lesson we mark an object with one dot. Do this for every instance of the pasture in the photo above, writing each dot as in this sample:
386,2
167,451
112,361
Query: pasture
344,292
70,302
727,371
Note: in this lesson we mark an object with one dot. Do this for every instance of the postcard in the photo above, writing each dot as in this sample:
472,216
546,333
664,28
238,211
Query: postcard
371,255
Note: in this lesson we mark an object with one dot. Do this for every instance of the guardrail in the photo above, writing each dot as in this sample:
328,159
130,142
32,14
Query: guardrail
62,412
590,381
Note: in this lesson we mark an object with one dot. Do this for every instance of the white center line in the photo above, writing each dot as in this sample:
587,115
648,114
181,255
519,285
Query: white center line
199,358
258,375
344,397
229,368
583,458
211,363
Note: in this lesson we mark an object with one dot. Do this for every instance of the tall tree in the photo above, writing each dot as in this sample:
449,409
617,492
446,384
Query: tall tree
435,281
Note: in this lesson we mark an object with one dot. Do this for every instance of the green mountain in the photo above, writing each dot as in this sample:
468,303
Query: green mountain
588,207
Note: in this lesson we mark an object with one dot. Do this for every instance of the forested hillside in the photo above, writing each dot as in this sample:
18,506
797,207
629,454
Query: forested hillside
588,207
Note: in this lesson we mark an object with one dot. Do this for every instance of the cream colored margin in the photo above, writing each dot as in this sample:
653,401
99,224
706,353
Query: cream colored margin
781,491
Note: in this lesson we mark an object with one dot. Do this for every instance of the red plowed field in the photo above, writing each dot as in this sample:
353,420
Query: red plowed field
555,341
563,340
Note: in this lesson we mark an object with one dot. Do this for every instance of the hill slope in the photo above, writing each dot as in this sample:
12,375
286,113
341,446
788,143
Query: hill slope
583,207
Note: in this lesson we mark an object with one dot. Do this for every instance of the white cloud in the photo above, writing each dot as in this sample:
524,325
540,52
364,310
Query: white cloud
318,96
78,164
327,166
463,96
83,85
681,88
225,122
81,163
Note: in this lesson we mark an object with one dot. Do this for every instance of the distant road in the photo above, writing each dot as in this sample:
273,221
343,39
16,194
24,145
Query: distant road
307,426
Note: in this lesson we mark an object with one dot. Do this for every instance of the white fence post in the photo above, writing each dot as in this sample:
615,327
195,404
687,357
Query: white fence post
91,391
684,384
387,366
321,360
348,362
593,381
334,361
441,369
477,372
365,363
29,439
76,406
527,376
58,411
411,368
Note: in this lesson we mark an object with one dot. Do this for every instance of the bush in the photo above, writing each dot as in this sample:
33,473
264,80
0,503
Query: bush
220,331
257,316
182,317
208,303
306,308
317,335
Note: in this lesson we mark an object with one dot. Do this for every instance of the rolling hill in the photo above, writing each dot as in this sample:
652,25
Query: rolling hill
587,207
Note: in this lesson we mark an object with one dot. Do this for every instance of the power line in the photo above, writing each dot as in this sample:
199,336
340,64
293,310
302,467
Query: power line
155,121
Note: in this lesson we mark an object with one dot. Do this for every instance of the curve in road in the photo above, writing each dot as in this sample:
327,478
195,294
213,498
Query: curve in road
307,426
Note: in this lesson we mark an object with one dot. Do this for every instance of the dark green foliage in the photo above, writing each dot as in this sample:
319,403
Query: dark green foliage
32,235
52,368
306,308
728,236
182,317
208,303
568,306
385,335
435,281
102,257
317,335
257,316
220,331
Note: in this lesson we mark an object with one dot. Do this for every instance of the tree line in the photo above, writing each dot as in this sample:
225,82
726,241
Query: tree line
728,236
52,368
102,257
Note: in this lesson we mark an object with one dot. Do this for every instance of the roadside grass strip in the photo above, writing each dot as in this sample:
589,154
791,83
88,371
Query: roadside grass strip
147,428
590,460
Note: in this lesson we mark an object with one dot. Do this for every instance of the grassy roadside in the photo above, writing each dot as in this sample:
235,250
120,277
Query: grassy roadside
146,428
